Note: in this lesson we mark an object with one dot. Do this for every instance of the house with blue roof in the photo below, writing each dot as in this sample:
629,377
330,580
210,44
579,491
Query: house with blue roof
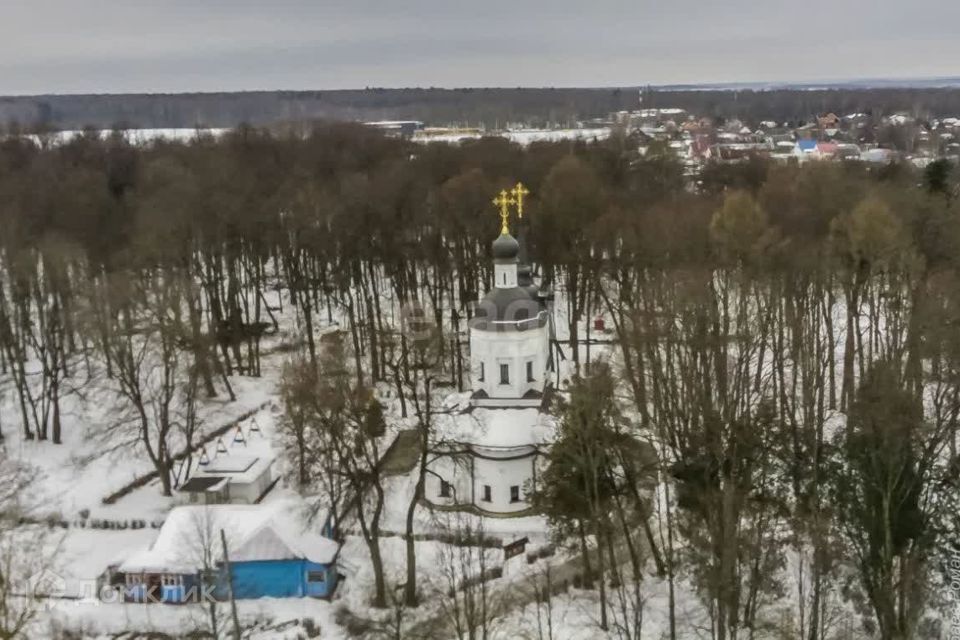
270,552
806,149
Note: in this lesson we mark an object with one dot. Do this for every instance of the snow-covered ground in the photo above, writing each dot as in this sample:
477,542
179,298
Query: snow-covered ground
521,136
272,619
186,134
138,136
79,473
75,479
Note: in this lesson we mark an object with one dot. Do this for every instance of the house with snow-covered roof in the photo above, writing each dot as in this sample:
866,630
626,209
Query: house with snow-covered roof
271,553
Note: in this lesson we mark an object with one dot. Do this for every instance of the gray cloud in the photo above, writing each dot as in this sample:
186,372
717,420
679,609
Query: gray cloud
52,46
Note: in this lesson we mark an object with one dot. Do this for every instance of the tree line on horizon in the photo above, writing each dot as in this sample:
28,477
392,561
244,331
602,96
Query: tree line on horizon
488,107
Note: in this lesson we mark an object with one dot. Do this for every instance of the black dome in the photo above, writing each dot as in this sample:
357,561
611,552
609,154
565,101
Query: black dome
514,305
505,247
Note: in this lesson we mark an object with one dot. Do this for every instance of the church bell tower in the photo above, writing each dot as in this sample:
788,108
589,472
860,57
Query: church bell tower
509,334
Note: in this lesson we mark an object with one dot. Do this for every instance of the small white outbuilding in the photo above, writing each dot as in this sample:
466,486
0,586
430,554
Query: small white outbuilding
237,479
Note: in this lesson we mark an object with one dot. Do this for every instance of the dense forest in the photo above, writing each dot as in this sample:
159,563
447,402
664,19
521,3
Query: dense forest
786,337
490,107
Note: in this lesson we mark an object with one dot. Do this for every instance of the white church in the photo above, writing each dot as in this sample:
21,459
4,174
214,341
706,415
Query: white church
490,446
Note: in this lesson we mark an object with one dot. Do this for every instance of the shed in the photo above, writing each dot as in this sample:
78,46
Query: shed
238,479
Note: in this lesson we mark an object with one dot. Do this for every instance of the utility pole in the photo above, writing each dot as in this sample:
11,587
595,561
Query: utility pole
233,602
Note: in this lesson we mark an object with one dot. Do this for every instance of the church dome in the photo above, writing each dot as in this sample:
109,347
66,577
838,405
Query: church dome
514,305
505,247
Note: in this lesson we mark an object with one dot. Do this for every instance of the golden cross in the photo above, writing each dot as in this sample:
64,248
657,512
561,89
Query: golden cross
519,192
503,202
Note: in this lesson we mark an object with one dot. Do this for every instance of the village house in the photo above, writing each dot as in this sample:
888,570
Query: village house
700,148
271,554
899,119
878,156
703,126
740,152
828,122
827,150
847,151
806,149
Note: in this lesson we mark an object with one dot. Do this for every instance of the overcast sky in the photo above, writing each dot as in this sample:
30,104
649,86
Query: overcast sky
71,46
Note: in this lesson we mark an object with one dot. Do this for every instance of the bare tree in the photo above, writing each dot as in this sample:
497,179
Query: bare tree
893,485
468,604
202,548
142,333
29,555
423,360
343,426
543,588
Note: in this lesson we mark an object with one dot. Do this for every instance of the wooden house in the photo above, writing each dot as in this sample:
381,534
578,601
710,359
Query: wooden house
271,554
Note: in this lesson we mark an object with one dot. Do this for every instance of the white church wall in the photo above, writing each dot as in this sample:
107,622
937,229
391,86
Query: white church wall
505,275
514,349
464,489
500,476
456,472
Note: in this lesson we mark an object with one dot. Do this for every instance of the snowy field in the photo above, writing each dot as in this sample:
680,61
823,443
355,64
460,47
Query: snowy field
139,136
522,136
